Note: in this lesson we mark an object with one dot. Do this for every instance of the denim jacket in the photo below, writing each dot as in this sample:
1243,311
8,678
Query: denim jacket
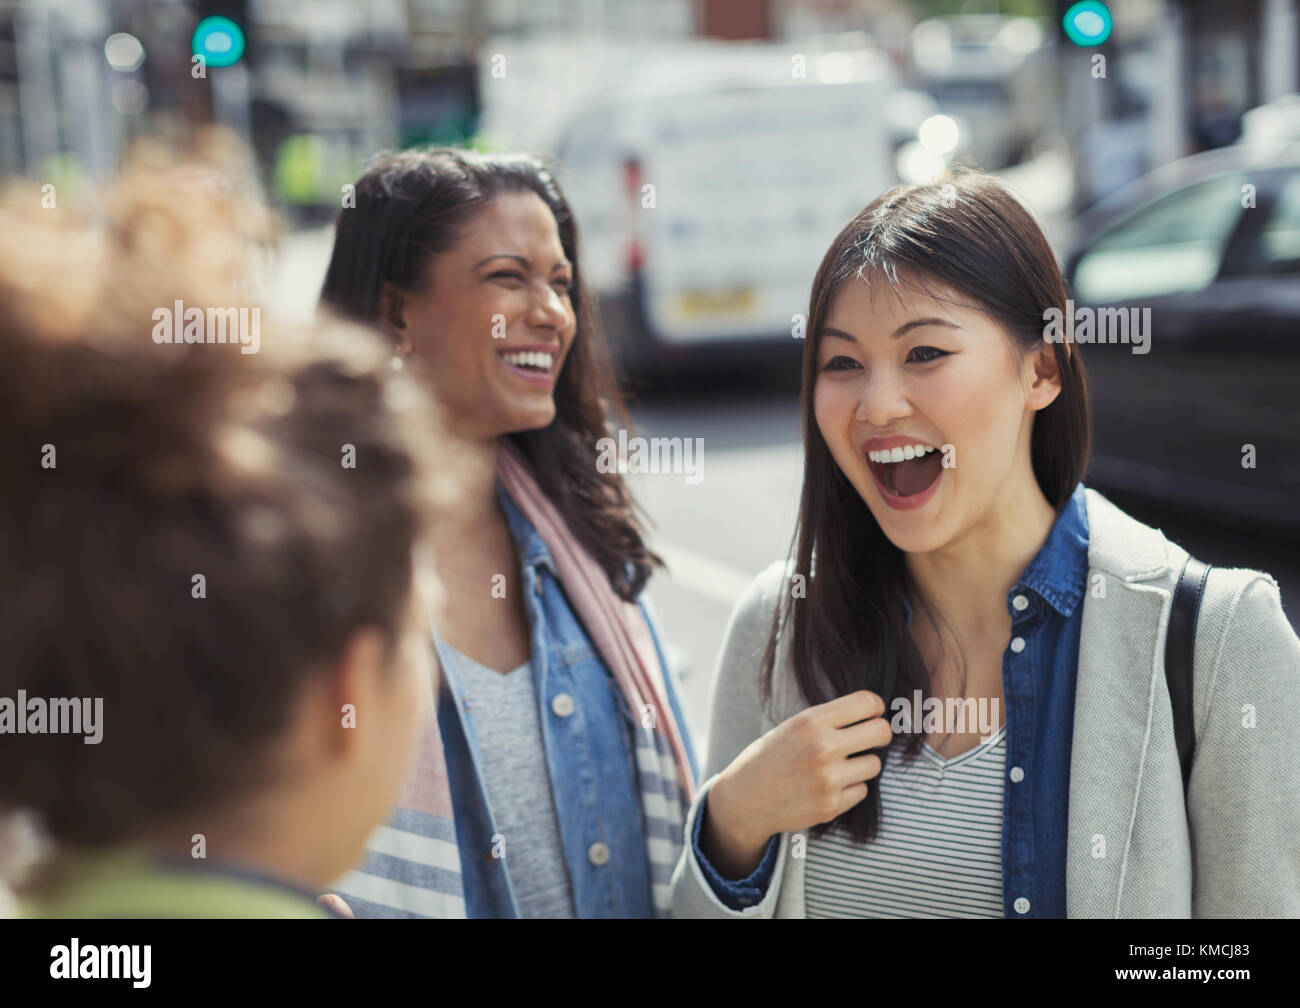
589,750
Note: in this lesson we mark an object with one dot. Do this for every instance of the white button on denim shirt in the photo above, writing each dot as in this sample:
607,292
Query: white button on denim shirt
562,705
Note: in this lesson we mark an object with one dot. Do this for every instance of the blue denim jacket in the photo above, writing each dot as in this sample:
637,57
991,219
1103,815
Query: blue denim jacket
1038,683
589,755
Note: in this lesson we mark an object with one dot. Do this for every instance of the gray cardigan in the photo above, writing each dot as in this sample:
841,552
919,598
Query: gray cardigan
1232,851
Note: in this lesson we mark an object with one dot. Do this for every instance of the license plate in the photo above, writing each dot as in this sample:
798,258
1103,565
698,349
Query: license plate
712,303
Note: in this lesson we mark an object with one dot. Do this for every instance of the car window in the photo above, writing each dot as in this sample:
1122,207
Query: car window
1171,246
1280,239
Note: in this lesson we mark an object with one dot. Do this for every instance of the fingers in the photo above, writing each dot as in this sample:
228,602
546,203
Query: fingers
335,903
849,797
850,708
865,735
860,769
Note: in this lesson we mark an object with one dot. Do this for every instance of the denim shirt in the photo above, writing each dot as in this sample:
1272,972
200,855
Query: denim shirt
589,753
1038,684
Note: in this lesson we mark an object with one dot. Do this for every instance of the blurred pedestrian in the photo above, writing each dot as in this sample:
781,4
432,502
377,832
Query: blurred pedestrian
214,667
953,580
557,780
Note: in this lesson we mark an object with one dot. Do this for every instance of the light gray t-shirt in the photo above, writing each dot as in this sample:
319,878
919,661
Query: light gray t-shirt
503,706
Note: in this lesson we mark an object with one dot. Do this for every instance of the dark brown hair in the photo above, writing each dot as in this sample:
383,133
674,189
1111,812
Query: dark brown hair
967,234
413,206
170,461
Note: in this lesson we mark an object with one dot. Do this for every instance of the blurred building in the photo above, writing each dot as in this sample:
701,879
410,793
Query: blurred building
1180,75
325,83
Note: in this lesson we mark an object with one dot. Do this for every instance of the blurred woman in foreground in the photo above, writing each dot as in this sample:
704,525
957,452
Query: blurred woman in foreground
556,783
950,561
214,667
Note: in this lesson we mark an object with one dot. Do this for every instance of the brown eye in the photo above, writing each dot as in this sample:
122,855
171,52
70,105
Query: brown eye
926,354
840,363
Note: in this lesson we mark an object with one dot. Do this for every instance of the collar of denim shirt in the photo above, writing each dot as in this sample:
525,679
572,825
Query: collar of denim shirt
1058,572
533,551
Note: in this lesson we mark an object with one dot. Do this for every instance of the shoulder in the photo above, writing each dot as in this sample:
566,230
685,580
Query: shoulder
757,604
1120,545
745,642
1125,547
1241,609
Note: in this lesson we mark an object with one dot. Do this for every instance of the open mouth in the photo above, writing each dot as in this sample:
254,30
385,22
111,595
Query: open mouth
908,471
537,362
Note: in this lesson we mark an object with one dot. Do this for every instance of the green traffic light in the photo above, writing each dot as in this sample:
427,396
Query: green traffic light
1088,23
219,41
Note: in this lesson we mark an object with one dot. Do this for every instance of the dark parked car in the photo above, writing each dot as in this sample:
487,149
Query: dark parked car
1209,416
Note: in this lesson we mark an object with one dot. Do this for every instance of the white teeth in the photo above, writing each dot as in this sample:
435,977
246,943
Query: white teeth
899,454
531,358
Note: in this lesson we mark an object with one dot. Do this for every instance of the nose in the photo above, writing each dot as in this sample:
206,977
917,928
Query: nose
882,399
549,311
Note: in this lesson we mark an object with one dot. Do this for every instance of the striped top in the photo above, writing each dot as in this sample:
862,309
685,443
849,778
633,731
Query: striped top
938,850
412,863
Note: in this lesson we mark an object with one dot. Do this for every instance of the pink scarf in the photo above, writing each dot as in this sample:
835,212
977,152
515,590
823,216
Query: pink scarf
616,628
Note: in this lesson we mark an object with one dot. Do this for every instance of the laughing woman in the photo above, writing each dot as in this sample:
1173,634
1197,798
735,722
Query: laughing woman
557,777
946,545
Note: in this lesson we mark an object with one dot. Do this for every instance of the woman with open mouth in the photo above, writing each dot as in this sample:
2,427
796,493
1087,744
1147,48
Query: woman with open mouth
946,549
555,779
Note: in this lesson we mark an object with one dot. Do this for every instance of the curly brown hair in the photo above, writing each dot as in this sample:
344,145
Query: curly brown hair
174,460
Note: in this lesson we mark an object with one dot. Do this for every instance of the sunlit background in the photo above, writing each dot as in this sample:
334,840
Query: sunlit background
713,148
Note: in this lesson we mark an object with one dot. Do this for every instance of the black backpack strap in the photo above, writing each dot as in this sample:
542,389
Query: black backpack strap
1179,648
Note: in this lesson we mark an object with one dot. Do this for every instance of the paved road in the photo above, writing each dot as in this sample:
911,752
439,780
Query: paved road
715,535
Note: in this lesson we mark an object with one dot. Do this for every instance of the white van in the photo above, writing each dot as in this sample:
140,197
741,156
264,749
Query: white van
705,211
707,179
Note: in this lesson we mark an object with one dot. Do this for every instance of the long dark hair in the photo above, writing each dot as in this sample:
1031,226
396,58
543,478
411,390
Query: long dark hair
412,206
850,631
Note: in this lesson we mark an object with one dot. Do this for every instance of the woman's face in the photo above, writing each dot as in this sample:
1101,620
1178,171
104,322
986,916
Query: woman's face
907,369
493,322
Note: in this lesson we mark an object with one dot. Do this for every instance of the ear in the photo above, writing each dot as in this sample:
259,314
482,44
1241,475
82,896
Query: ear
392,315
1044,377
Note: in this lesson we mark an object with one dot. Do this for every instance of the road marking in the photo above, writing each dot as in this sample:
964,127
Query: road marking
702,575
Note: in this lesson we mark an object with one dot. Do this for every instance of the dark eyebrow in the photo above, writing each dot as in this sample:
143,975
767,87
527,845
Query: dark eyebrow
522,260
905,328
917,323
